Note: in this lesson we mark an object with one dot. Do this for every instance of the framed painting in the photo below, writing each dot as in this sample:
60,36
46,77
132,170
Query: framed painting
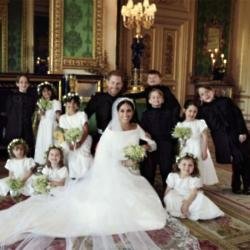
76,35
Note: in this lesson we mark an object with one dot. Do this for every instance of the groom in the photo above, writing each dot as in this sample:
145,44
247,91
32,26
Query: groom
100,104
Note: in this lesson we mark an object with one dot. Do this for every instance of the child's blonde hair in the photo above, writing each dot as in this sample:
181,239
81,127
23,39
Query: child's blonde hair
17,142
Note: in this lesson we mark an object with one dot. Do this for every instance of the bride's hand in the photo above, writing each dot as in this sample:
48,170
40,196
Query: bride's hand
74,146
146,147
128,163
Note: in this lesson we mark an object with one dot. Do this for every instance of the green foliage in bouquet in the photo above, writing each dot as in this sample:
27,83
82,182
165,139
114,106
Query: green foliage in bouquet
15,184
134,152
182,133
44,104
72,135
41,184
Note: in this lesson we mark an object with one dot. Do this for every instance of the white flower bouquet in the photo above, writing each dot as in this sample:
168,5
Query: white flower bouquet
134,153
182,134
72,135
41,184
15,186
44,105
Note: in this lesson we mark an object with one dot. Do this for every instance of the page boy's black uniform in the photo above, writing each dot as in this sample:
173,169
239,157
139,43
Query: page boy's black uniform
171,103
226,123
159,123
19,110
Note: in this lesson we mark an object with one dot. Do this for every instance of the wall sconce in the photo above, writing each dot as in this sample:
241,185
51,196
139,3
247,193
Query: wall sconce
218,64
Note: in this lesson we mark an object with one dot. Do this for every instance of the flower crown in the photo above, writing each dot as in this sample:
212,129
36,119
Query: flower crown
186,155
53,147
15,142
45,84
69,96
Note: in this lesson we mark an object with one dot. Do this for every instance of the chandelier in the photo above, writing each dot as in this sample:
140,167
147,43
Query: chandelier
138,16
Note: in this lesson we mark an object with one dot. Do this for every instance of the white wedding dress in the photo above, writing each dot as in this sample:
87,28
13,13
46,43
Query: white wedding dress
108,200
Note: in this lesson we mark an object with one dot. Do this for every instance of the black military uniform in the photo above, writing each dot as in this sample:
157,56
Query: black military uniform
159,123
170,102
226,123
100,104
19,110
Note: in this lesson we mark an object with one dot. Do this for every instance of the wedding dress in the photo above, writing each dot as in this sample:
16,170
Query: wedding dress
108,200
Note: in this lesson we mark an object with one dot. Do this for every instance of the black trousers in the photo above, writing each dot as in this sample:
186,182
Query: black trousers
163,157
240,176
241,170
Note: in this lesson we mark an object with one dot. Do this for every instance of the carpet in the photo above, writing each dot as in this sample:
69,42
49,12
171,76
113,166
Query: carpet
233,230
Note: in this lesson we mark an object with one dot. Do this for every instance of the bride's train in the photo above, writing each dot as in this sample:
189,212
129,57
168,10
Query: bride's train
180,238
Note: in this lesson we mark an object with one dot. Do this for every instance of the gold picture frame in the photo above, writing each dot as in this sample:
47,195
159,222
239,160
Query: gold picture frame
4,34
57,61
213,36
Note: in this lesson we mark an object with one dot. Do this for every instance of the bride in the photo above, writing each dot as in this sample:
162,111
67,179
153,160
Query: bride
109,200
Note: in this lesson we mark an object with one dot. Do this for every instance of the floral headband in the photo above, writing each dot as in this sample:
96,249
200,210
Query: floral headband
14,143
179,158
43,85
54,147
71,95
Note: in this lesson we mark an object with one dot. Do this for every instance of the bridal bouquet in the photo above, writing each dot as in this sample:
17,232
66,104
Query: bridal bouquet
134,153
15,186
44,105
41,184
182,134
72,135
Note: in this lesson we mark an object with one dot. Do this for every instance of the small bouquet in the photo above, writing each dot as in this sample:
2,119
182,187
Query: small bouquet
135,153
44,105
15,186
41,184
182,134
58,135
72,135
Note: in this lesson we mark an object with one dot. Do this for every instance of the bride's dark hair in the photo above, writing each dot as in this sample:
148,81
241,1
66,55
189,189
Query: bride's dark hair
131,104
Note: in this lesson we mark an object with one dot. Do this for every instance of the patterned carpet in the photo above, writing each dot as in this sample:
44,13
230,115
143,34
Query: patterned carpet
233,230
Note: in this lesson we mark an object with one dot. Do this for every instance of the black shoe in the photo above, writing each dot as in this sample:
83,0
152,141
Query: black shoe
237,191
246,191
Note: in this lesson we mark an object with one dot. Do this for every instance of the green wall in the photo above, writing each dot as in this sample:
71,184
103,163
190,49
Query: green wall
15,36
219,10
78,28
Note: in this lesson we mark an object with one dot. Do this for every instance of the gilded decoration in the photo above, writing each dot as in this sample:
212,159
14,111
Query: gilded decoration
4,34
24,59
55,44
80,45
15,36
168,56
147,53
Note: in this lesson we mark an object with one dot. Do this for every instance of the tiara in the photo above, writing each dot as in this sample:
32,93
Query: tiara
45,84
69,96
185,155
15,142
